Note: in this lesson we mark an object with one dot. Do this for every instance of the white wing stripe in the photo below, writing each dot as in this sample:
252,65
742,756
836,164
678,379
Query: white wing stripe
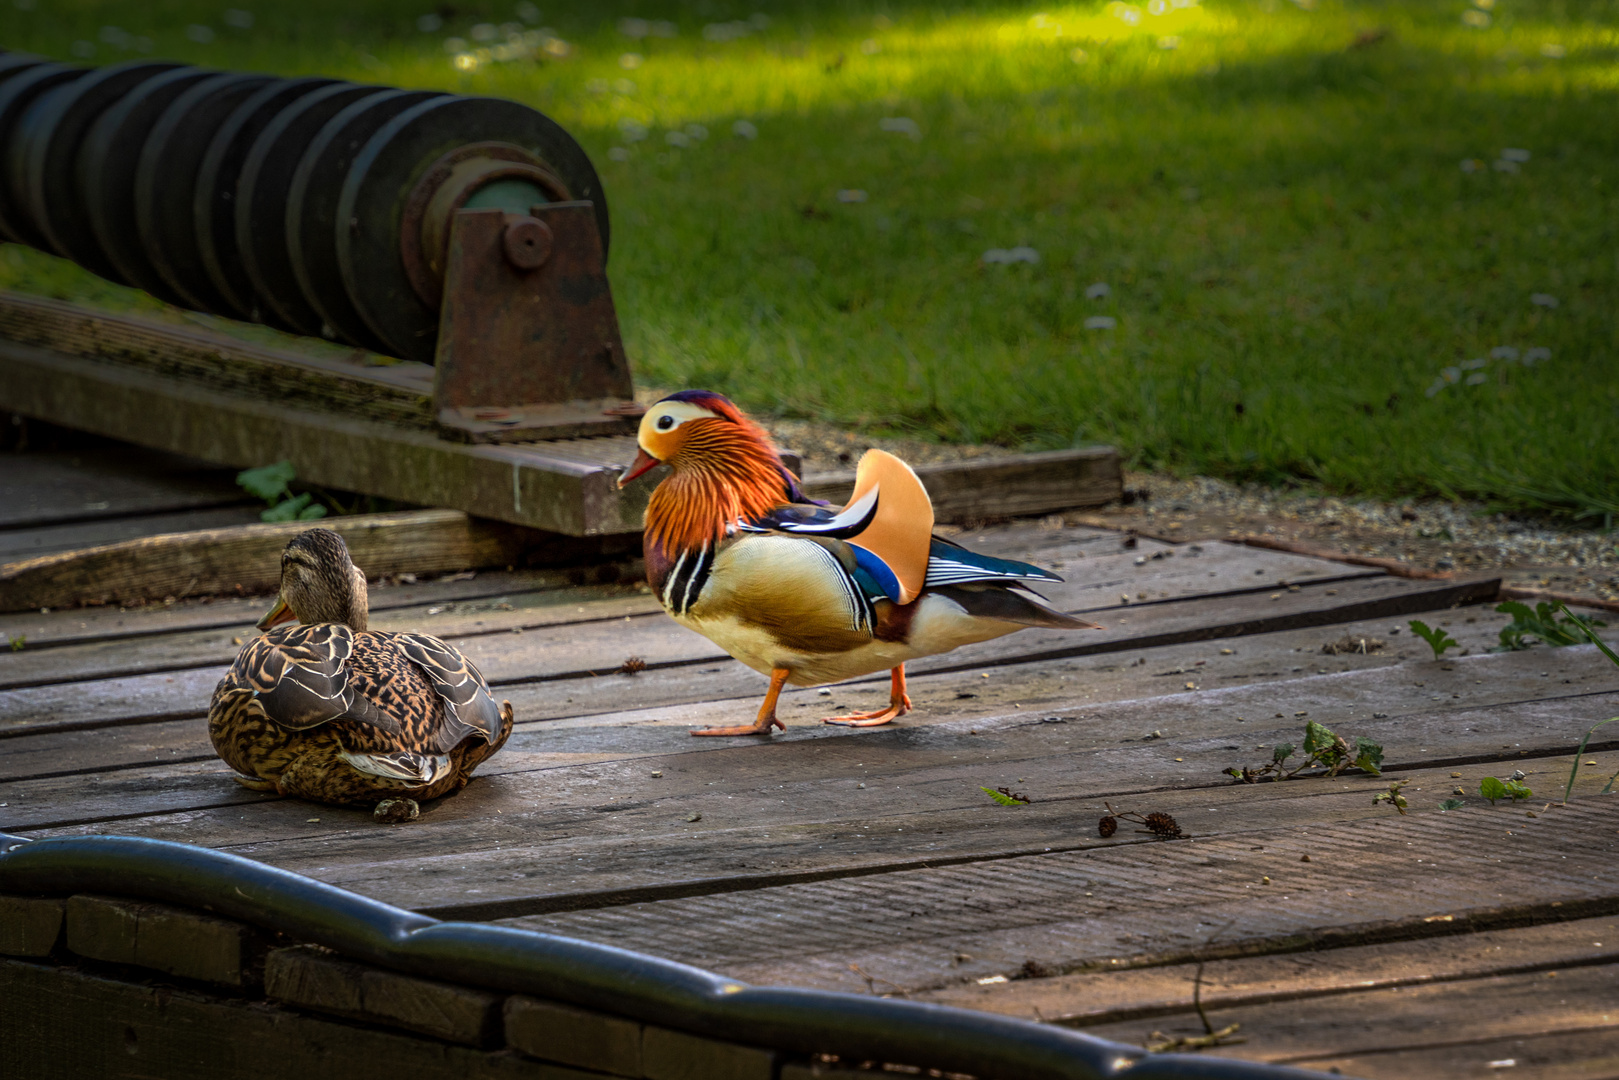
852,514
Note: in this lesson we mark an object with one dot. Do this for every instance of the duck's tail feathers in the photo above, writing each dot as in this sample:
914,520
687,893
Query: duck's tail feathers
951,564
1011,604
401,765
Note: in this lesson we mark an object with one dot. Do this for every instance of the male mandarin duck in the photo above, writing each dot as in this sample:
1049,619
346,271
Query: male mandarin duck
794,589
325,709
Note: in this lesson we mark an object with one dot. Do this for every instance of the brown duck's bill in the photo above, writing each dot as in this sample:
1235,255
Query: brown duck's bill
277,615
643,462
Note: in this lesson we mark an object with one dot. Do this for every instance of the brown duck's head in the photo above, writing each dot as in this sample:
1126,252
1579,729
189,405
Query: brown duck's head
319,583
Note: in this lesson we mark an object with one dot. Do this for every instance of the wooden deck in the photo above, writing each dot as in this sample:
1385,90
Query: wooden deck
1336,932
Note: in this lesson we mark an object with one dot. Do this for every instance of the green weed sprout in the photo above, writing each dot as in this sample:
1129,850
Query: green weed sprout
1541,623
1585,629
271,483
1493,788
1438,639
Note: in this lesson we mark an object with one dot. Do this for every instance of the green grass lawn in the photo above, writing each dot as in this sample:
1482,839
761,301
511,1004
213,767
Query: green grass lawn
1318,243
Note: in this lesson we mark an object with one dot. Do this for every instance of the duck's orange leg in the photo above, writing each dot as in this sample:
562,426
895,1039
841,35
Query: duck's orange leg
899,703
767,712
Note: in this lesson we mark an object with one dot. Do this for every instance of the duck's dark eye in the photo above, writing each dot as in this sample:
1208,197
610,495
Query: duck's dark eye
665,422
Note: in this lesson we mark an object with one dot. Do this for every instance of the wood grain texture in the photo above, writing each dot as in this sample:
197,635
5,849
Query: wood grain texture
570,1036
176,941
247,558
29,926
58,1024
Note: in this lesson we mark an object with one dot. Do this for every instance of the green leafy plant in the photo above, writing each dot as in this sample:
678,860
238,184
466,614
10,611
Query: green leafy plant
1590,635
1005,796
1323,749
1451,804
1393,797
272,484
1493,788
1541,623
1438,639
17,642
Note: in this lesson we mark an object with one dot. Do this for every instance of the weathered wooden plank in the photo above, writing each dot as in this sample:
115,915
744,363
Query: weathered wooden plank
1091,998
65,749
519,484
101,482
674,1055
1027,484
59,1024
309,977
29,926
247,558
312,374
30,543
176,941
1371,880
1470,1023
562,1033
584,815
591,647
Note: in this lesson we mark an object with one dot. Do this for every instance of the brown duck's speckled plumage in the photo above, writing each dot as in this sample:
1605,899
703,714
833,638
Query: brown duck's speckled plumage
326,712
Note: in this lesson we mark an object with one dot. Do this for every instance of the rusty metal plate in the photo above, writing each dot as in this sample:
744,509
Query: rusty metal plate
386,173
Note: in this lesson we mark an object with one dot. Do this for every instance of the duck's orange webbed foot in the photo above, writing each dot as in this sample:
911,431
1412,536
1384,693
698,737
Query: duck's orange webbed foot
767,712
899,703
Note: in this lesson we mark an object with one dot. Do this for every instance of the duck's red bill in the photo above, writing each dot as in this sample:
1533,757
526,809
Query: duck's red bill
643,462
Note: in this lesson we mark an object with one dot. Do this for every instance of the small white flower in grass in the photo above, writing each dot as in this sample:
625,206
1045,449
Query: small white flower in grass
631,130
1503,352
618,153
1182,3
1477,378
464,61
676,138
1478,20
630,61
1538,354
1098,291
1484,5
453,45
1474,364
1101,322
1471,164
1438,385
634,28
743,129
1156,7
1128,14
243,20
199,33
851,195
1553,51
429,23
1505,165
1545,300
1169,42
83,49
697,131
1079,56
555,46
527,12
1451,374
1513,153
901,125
484,32
870,47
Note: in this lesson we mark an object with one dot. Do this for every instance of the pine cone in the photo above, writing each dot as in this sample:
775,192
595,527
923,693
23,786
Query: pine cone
1107,826
1162,825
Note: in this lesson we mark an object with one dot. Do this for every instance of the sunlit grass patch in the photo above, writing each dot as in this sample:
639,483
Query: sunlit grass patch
1304,214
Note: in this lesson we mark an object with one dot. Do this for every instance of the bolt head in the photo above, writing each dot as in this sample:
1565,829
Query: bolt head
527,241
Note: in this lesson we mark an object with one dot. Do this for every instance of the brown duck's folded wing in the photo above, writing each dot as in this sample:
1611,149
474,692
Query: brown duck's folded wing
299,676
467,702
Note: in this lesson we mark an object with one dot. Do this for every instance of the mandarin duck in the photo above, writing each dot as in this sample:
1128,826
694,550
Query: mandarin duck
327,710
797,590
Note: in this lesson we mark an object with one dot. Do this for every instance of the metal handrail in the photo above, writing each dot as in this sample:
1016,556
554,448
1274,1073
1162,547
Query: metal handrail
602,977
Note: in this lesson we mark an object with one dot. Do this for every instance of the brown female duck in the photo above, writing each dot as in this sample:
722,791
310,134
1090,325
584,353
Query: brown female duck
325,709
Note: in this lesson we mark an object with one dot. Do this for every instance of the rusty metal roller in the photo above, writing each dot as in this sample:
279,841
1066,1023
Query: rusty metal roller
409,180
